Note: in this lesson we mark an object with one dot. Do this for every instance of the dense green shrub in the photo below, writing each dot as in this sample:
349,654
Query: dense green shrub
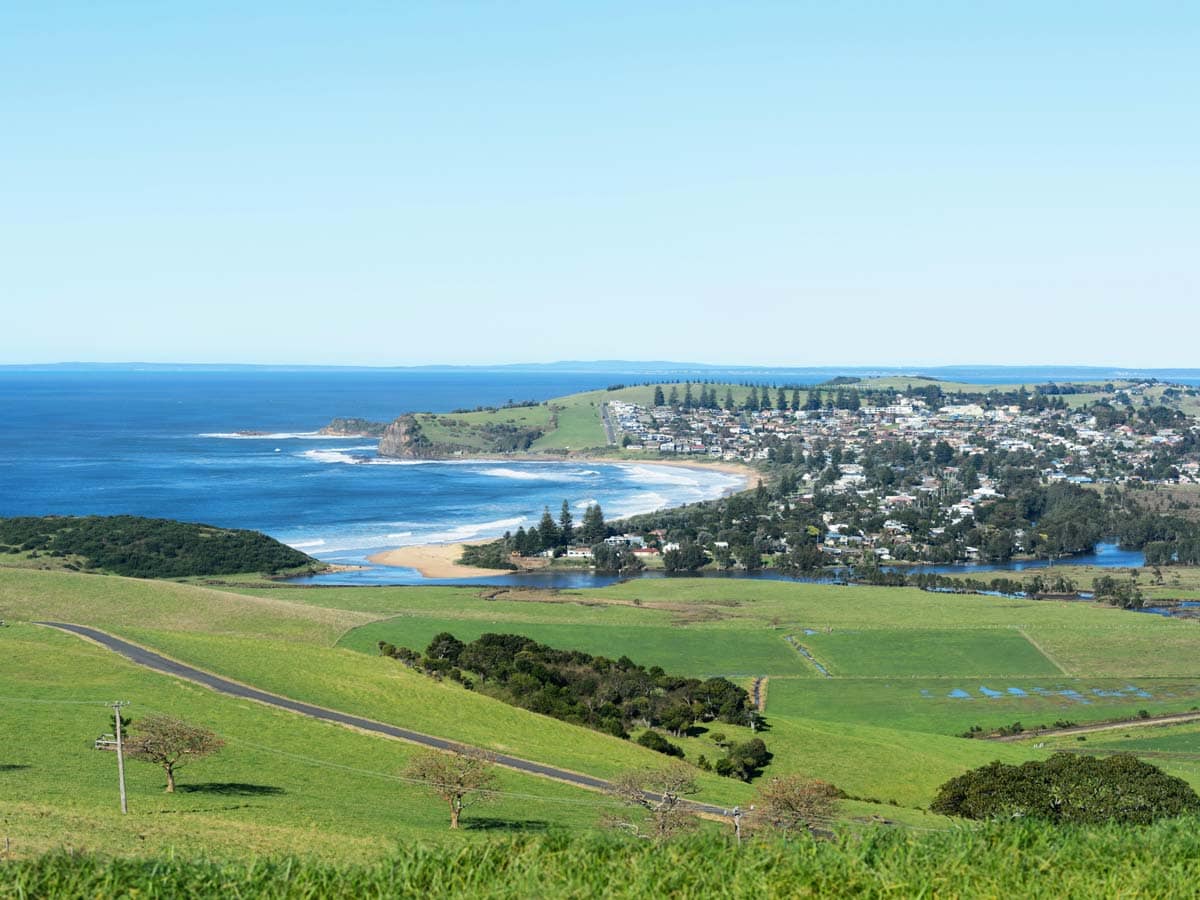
613,696
1069,788
152,548
652,740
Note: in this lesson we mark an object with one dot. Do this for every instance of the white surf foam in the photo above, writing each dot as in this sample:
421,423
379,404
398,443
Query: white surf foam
524,474
636,504
661,475
472,530
344,457
307,545
271,436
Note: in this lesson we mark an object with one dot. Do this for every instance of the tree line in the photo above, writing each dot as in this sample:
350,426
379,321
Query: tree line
612,696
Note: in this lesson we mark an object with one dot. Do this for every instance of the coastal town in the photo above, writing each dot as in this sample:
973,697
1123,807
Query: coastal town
920,475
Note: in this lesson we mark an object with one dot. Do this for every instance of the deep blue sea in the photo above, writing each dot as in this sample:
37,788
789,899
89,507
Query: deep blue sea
161,441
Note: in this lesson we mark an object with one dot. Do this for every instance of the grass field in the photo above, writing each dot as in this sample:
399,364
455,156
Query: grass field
1001,860
952,705
916,652
697,650
910,670
283,784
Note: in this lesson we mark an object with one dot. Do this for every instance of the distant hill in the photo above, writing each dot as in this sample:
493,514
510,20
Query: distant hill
144,548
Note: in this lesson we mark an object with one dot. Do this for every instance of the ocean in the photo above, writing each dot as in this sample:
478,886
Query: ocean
163,441
166,443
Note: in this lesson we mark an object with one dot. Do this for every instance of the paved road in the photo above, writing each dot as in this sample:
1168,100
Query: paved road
151,660
1164,719
610,431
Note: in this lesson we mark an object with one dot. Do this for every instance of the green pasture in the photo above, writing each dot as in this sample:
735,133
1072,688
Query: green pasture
387,691
110,601
283,783
926,652
937,705
871,729
698,650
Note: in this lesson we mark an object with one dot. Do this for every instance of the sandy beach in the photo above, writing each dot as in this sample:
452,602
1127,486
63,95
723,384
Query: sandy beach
441,560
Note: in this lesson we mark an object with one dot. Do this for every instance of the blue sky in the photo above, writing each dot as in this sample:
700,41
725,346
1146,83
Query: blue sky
763,183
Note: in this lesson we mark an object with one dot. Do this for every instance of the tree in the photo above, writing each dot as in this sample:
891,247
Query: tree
445,646
460,777
660,793
652,740
548,530
566,526
593,530
792,805
659,400
170,743
745,761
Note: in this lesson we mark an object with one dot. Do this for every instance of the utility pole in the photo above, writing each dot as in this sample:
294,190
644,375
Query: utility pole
116,708
737,823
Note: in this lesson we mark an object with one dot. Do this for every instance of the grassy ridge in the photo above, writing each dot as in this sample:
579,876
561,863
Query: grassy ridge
881,728
999,861
283,783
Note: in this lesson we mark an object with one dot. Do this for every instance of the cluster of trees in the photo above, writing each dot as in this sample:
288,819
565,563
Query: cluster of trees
784,806
1165,539
1124,593
608,695
508,404
1068,788
148,548
552,534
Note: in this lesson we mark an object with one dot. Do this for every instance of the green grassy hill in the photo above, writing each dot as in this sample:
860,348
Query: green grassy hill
908,671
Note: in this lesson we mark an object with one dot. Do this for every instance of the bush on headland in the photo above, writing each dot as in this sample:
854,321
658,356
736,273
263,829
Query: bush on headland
147,548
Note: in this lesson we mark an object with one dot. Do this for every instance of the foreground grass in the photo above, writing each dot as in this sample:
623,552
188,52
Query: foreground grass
1016,860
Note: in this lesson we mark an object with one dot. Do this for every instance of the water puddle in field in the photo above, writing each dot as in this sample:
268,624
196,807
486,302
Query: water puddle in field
1082,697
803,651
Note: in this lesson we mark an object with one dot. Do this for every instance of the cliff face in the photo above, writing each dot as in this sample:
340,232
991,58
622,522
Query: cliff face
403,439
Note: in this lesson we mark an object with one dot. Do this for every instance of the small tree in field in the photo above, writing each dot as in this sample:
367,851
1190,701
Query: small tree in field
461,778
660,793
791,805
171,743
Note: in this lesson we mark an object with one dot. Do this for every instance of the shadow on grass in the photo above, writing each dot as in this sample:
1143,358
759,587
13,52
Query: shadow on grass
488,823
230,788
13,767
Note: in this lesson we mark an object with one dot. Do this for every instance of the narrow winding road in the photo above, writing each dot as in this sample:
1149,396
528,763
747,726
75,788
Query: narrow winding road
151,660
